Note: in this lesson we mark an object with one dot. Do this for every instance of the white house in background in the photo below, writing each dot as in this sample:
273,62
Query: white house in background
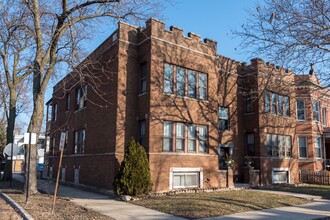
19,159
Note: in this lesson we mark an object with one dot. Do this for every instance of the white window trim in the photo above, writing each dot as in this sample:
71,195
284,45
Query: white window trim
185,169
281,169
318,158
299,147
304,110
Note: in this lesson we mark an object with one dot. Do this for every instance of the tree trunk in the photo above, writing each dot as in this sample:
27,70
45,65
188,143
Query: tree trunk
34,127
11,116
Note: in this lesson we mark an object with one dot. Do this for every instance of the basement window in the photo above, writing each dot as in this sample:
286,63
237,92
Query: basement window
280,175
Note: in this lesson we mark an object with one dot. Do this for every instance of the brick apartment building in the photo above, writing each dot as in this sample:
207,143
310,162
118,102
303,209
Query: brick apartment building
189,107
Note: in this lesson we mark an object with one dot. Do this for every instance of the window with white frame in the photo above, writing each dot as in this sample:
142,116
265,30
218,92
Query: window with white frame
185,180
280,105
302,146
248,103
143,78
79,141
324,116
180,137
274,103
187,82
267,101
168,78
168,136
202,86
192,84
81,97
278,145
301,110
180,81
191,138
318,147
277,104
185,137
223,114
286,106
202,136
316,111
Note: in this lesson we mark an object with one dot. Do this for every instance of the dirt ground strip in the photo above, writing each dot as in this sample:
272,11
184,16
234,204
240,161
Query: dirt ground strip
39,206
7,212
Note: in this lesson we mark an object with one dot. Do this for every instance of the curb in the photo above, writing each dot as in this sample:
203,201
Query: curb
16,206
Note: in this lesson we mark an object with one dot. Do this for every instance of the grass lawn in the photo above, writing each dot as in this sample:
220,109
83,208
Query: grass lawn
316,190
202,205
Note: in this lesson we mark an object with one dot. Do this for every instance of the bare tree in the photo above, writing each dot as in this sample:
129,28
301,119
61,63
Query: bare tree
15,39
291,33
57,28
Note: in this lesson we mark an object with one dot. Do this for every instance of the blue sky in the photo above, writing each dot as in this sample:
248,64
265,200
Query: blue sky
212,19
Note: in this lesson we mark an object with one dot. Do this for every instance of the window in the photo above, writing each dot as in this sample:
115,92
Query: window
301,110
53,146
49,112
280,105
180,132
184,137
168,132
192,138
185,180
250,144
202,89
288,146
302,145
267,102
324,116
286,106
142,132
143,77
180,81
248,103
202,136
278,145
274,103
55,112
186,82
318,148
79,141
81,97
192,84
277,104
68,101
168,78
223,119
316,111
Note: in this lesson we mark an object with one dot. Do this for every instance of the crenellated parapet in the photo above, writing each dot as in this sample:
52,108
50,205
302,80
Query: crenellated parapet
174,35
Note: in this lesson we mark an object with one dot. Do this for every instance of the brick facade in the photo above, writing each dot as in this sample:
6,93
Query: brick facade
120,99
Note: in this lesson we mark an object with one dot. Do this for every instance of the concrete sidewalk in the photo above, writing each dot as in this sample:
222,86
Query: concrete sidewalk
119,210
104,204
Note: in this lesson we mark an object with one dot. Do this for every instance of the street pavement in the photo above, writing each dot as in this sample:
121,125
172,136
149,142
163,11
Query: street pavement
107,205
